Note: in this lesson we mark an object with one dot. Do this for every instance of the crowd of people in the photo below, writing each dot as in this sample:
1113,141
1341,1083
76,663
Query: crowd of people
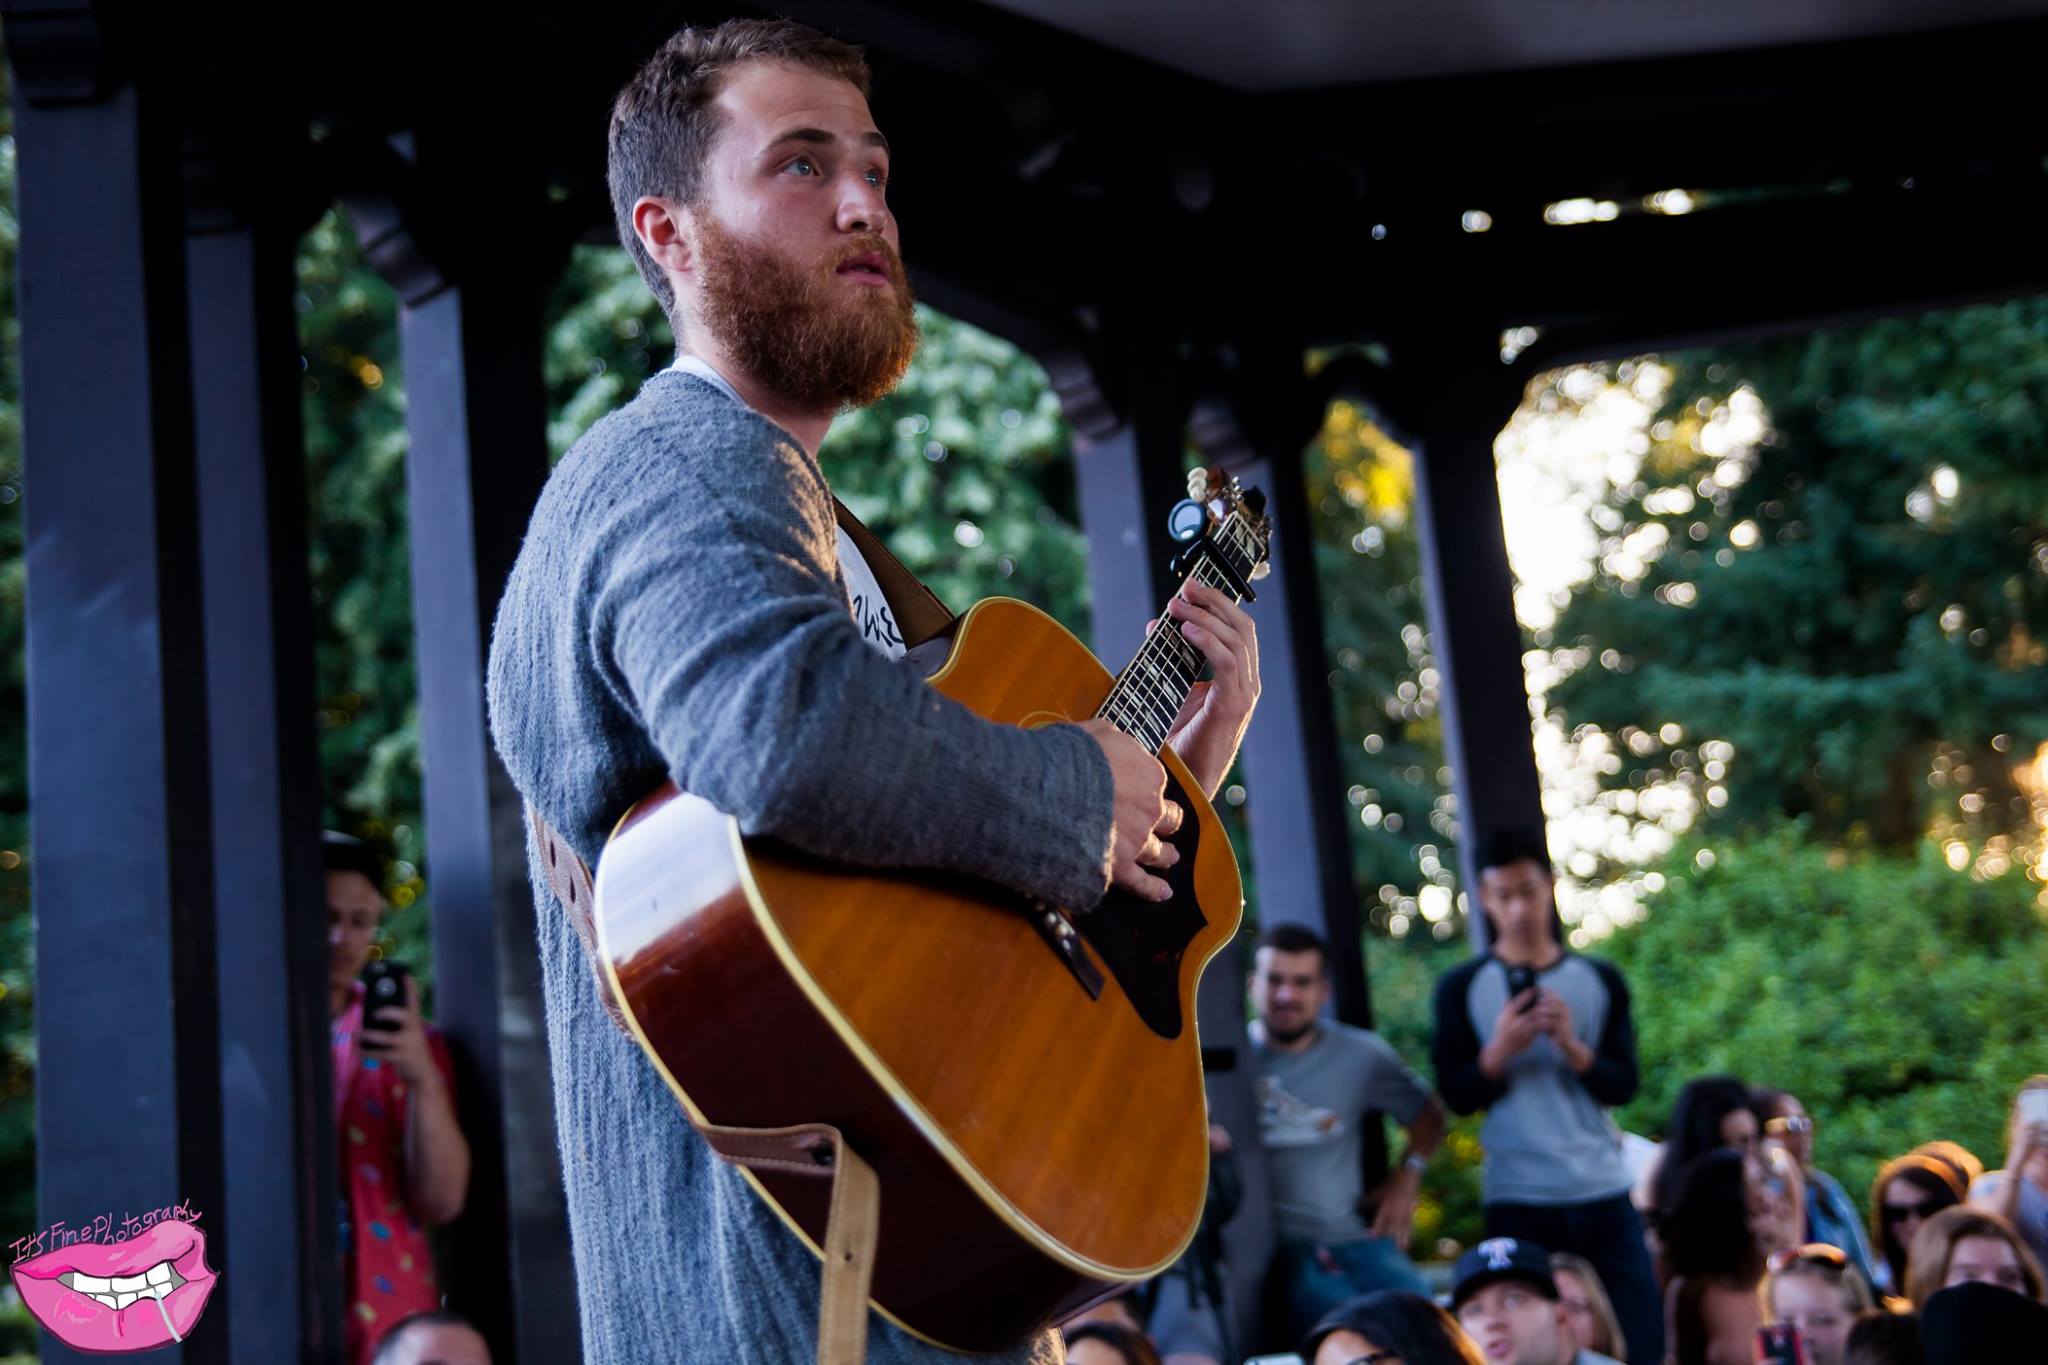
1723,1245
1726,1244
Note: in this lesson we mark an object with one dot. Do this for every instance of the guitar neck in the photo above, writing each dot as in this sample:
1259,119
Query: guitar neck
1149,693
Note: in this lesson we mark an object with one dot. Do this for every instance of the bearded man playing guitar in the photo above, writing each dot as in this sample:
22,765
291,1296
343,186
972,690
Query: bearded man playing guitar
680,611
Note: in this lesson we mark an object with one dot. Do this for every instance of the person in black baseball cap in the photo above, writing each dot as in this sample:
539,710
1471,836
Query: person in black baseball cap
1980,1323
1506,1298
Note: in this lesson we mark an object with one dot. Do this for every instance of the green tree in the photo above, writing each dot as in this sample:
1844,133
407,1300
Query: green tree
965,470
1856,601
1902,1001
1384,683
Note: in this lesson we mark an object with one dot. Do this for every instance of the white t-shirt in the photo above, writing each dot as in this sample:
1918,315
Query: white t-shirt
864,596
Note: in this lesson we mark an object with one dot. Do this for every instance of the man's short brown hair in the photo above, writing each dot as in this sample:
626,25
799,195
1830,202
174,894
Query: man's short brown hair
663,121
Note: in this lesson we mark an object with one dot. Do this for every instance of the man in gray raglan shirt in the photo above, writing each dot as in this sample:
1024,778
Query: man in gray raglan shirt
1541,1038
683,608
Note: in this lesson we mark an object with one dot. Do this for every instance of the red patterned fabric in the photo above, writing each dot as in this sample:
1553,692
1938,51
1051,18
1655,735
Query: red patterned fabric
387,1265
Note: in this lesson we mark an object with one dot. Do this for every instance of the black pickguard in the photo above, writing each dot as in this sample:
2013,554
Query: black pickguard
1142,942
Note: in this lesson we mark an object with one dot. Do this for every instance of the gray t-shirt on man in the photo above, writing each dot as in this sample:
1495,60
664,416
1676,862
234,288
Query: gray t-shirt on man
1313,1107
1548,1139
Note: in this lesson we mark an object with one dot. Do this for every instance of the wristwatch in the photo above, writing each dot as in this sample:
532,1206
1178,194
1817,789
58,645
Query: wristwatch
1415,1162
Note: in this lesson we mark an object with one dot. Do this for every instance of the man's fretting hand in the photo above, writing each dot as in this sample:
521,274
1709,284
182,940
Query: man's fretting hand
1142,818
1212,723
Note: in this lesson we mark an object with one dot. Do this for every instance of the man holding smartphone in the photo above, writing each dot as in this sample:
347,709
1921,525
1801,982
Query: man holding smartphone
1541,1039
404,1160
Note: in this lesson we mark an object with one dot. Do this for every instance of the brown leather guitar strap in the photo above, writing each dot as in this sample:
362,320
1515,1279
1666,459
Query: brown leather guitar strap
812,1149
920,614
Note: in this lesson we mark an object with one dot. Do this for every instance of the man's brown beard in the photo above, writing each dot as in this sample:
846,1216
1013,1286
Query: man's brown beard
809,337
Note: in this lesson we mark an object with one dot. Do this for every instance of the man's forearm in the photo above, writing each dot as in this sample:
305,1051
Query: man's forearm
436,1154
1426,1134
1209,758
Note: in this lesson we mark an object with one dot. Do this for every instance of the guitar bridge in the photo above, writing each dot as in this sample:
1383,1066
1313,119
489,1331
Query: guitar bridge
1060,935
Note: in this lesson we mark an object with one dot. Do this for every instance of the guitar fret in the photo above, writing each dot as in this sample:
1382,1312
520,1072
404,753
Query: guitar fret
1148,695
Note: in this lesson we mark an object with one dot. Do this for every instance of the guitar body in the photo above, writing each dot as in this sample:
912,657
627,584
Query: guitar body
1037,1145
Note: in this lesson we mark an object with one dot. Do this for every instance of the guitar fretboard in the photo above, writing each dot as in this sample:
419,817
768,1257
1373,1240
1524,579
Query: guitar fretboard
1149,693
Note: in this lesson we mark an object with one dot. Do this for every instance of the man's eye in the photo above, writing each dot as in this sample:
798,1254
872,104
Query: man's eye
803,165
878,177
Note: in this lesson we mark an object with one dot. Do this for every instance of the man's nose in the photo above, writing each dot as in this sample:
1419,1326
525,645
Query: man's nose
862,209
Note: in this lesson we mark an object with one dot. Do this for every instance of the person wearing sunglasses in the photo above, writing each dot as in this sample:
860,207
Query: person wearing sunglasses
1831,1216
1389,1327
1815,1289
1908,1191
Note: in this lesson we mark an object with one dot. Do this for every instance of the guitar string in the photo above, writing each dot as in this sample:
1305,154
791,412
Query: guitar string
1153,680
1142,702
1186,662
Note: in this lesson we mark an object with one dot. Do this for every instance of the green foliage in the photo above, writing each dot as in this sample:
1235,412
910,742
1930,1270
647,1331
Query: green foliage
353,411
1900,1000
1404,975
1859,603
965,470
1384,684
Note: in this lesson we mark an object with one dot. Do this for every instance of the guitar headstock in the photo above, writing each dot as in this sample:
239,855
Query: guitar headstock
1231,504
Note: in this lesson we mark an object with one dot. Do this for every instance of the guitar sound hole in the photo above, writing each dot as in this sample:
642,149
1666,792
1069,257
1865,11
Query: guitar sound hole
1142,942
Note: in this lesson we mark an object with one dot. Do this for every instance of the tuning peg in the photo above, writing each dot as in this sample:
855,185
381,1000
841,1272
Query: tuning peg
1198,485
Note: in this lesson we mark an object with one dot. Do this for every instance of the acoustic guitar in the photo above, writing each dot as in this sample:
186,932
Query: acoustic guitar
1025,1080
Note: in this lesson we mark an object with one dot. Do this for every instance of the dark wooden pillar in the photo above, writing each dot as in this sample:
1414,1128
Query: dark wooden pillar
279,1251
463,244
128,1093
1461,397
1300,822
1130,473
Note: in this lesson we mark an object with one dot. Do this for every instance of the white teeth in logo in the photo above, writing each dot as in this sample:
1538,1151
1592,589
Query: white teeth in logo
1498,1251
117,1293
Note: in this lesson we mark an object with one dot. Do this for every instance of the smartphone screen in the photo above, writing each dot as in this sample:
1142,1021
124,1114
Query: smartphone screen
1521,979
383,993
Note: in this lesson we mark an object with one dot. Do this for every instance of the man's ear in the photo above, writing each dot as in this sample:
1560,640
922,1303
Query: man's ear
665,233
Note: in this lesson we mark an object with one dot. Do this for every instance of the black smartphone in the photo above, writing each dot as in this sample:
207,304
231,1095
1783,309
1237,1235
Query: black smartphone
383,995
1780,1344
1520,978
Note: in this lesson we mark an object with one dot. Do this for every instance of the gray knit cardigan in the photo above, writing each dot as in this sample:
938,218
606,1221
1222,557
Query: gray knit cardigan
677,611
